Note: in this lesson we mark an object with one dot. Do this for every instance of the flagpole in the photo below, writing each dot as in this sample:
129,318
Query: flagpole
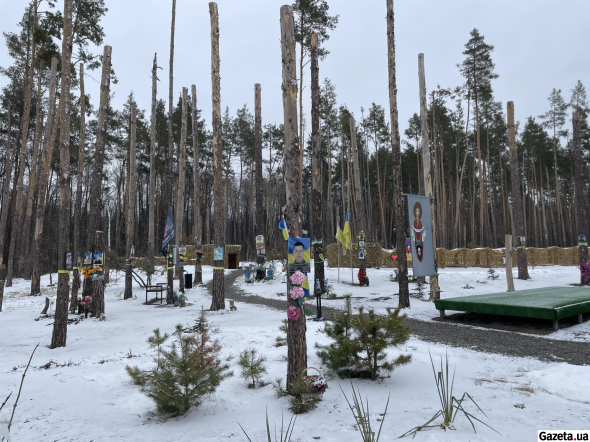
337,227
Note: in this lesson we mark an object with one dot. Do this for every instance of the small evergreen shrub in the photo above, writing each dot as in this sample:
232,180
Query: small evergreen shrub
304,397
185,373
492,274
253,367
360,342
282,339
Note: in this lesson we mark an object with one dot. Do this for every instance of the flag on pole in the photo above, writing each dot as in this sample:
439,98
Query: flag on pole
346,233
283,227
340,236
168,232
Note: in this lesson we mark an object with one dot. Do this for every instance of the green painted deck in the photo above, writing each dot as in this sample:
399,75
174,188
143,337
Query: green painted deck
547,303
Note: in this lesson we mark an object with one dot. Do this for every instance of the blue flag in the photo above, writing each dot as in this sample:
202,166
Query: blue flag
168,232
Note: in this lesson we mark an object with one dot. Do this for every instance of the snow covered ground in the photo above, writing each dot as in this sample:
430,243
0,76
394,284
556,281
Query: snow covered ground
382,292
86,395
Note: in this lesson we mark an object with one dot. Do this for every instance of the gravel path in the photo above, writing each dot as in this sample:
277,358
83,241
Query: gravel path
488,341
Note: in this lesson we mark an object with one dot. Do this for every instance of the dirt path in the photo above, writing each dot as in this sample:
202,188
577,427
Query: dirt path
452,334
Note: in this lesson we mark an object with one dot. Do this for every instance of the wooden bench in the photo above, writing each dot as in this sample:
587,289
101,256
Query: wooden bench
154,289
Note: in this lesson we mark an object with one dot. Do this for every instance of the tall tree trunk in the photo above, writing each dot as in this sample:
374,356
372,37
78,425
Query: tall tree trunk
580,204
296,339
218,301
360,212
197,185
258,148
330,204
130,215
169,159
458,203
17,221
152,184
316,188
58,338
426,167
10,154
49,135
78,207
404,294
517,203
33,175
181,190
95,288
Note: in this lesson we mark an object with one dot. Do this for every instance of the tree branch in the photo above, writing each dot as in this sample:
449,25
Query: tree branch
20,388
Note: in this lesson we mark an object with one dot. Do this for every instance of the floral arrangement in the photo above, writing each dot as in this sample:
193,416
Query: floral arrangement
293,313
87,271
585,269
362,276
296,294
86,301
317,382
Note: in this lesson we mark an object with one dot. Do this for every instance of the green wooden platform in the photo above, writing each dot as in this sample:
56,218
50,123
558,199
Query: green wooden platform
553,303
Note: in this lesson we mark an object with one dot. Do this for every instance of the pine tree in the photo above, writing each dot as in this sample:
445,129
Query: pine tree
554,119
253,367
378,333
304,398
478,70
185,373
311,17
340,356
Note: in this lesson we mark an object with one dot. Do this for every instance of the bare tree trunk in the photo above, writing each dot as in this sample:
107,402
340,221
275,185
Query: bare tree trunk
218,301
197,186
426,167
181,189
404,294
580,204
78,207
296,339
152,191
517,204
95,288
331,223
130,215
316,188
44,167
360,212
508,252
169,159
58,338
462,170
259,189
10,154
17,221
26,237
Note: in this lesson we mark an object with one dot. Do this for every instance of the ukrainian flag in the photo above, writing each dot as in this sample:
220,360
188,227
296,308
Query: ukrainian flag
283,227
346,233
340,236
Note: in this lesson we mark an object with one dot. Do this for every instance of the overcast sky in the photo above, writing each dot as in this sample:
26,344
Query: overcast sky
539,45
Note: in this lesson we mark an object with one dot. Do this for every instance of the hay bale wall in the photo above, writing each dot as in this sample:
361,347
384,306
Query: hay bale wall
483,257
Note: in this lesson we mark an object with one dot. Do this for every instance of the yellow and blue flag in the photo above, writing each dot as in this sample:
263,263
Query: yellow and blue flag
283,227
346,233
343,233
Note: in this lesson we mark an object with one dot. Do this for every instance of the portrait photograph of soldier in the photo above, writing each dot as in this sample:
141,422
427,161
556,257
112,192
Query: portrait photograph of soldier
299,255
